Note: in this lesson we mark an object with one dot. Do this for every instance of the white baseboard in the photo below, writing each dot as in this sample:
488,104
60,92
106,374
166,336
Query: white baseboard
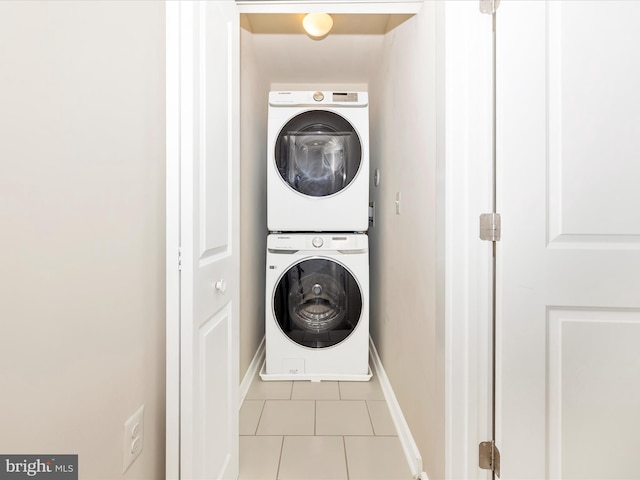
252,371
404,434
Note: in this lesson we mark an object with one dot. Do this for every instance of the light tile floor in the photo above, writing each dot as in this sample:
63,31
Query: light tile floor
318,430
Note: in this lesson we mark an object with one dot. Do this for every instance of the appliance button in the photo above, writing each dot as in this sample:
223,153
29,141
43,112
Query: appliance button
317,242
318,96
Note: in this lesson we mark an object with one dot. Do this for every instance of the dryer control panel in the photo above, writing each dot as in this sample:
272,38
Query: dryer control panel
345,96
318,98
294,242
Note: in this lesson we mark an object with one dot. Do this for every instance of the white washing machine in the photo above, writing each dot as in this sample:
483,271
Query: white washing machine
318,162
317,308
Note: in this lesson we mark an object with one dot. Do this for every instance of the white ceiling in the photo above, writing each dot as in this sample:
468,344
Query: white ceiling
343,24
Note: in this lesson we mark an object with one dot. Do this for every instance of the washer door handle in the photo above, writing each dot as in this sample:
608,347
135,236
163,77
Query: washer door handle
221,285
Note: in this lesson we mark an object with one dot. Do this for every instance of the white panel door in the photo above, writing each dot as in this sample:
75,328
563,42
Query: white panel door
568,366
209,184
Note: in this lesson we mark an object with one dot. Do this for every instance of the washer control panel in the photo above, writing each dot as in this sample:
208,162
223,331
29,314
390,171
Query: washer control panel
294,242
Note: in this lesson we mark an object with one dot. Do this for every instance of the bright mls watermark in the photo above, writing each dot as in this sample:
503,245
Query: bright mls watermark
49,467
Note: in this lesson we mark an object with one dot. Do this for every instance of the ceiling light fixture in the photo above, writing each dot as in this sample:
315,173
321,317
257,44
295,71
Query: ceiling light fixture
317,25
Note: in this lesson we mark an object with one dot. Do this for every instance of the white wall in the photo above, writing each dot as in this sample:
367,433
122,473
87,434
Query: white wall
253,199
82,214
406,323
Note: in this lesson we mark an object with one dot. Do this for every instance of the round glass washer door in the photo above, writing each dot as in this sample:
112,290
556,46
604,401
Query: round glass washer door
317,303
318,153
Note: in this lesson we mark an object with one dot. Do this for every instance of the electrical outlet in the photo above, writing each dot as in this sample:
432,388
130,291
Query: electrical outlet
133,438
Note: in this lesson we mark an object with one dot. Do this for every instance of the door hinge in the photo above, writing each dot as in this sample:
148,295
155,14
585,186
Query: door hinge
489,6
490,227
489,457
179,259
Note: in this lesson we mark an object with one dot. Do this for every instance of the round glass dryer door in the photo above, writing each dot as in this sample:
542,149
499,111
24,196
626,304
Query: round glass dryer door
318,153
317,303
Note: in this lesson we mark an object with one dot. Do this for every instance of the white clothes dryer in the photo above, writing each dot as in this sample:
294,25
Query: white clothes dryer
318,162
317,307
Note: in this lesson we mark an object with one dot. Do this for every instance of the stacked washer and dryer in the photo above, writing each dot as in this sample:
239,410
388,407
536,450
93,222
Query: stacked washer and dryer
317,277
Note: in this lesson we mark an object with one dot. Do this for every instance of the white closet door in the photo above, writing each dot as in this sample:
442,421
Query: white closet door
568,391
209,230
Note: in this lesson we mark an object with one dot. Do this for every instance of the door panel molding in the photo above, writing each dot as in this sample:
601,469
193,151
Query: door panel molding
587,91
214,376
592,352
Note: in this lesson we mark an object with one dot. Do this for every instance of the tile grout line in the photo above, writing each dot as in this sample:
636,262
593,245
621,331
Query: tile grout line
280,458
366,403
264,404
346,458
